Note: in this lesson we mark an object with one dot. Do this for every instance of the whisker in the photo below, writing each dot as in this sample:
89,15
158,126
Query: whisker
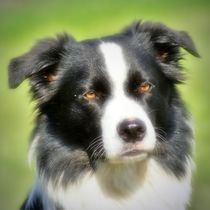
161,130
101,152
97,150
161,137
94,141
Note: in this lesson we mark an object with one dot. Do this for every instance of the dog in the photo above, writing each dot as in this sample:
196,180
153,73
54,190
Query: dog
112,131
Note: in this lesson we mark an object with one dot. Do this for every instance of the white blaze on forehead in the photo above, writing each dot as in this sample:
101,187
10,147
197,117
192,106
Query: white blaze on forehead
115,64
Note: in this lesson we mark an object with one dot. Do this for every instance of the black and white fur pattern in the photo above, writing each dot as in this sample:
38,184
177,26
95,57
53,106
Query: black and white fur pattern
85,158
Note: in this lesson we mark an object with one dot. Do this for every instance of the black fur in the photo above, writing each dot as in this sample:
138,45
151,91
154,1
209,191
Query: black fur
67,124
36,205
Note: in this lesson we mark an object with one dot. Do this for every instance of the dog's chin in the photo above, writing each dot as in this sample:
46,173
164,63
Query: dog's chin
130,156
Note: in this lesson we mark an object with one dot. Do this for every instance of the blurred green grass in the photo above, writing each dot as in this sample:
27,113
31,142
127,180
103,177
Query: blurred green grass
23,22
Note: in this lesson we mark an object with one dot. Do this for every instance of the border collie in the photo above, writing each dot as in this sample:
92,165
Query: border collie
112,132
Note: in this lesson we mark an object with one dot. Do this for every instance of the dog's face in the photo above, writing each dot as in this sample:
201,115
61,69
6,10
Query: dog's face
110,97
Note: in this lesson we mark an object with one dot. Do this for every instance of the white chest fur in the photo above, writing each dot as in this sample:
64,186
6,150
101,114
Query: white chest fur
122,189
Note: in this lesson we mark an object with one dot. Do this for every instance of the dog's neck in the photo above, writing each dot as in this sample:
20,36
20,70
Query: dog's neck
121,179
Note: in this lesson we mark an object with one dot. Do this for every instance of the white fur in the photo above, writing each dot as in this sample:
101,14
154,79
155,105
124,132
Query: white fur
32,149
115,65
150,189
120,107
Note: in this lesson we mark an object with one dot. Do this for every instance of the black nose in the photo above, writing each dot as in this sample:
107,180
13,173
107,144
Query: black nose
132,130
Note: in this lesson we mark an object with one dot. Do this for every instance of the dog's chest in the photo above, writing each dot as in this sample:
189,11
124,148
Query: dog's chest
156,191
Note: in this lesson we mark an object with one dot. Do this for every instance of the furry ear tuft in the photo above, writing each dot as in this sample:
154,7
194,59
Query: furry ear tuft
165,46
163,37
186,42
45,54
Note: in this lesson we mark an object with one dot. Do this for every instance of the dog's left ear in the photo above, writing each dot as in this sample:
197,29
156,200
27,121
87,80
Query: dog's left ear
166,44
167,41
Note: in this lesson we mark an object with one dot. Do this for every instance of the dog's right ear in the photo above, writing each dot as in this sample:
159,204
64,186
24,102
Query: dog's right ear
41,61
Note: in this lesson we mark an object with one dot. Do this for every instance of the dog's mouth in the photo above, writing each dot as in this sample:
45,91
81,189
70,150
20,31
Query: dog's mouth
132,153
133,150
131,156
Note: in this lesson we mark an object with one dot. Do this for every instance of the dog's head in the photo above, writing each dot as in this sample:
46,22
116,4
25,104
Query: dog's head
112,97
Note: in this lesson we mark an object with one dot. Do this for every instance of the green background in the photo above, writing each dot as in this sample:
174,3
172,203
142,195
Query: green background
23,22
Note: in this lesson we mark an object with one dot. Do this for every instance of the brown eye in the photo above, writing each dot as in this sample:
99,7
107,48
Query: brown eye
90,95
145,87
